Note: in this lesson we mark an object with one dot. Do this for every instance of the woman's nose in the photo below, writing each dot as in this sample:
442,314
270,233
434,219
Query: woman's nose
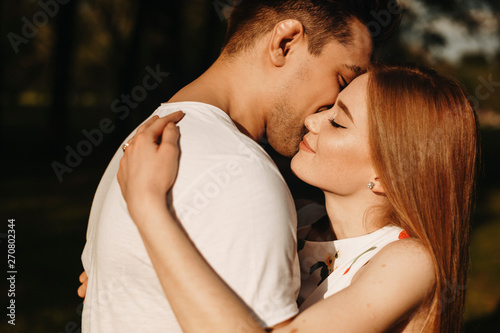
313,122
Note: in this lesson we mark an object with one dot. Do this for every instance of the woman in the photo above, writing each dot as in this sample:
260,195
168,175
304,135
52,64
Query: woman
396,158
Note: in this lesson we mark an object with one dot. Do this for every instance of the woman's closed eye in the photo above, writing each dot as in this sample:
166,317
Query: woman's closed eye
334,124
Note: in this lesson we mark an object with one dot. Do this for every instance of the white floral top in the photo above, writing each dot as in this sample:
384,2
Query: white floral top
328,267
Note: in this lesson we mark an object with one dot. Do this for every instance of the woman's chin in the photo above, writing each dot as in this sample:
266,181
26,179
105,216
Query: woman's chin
293,164
297,171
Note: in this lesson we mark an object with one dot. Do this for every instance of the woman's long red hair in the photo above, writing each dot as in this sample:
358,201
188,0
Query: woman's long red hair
425,146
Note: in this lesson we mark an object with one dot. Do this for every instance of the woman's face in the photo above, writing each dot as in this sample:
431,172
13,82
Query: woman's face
335,155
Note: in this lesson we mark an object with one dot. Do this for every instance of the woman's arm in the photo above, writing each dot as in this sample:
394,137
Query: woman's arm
387,290
200,300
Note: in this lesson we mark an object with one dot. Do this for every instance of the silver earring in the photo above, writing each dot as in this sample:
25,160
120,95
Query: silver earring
371,185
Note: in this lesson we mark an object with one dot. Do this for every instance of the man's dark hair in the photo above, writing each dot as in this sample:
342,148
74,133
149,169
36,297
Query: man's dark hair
323,20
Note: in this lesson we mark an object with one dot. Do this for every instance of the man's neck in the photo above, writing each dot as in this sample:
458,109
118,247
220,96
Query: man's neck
232,87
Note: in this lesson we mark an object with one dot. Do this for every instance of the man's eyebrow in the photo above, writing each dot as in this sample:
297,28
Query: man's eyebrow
345,109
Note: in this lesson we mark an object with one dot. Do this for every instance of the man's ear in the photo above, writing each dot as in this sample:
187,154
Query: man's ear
286,34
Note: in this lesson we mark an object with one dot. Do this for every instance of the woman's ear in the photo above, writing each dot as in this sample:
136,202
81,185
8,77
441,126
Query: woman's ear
376,187
286,34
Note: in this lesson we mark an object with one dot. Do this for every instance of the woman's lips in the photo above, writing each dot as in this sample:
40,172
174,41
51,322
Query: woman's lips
305,146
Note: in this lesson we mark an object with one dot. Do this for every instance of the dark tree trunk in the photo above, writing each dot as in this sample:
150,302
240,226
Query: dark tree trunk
128,71
63,56
3,59
214,33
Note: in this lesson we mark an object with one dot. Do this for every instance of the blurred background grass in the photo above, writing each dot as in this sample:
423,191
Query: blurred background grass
64,79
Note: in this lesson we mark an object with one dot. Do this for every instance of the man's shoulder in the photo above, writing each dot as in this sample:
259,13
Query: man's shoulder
236,169
203,125
209,137
195,111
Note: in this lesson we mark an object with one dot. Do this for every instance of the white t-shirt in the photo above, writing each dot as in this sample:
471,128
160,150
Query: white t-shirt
235,207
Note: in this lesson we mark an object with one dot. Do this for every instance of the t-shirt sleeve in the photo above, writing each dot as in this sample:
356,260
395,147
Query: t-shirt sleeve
252,240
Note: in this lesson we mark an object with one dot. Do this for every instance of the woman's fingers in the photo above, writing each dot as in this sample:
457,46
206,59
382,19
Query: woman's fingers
169,154
169,142
170,134
148,123
175,117
156,128
148,144
156,124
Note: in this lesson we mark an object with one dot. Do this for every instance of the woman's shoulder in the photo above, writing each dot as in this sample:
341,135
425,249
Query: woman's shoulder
405,252
389,289
396,281
402,263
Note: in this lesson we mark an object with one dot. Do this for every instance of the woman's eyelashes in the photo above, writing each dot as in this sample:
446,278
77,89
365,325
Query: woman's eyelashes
334,124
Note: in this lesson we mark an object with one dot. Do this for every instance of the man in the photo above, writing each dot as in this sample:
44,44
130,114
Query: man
282,61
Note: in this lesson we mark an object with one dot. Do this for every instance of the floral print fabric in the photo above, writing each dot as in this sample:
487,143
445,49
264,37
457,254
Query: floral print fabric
328,267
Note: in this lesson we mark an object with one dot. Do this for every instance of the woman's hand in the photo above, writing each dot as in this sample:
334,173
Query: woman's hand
150,162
